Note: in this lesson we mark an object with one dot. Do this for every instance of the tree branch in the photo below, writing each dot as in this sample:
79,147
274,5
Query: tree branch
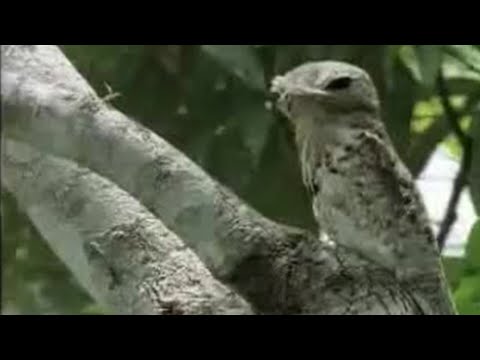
461,179
122,255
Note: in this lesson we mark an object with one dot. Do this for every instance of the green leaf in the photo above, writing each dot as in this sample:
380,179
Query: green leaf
467,54
406,57
472,251
430,61
475,171
241,61
467,296
461,79
399,104
464,275
453,270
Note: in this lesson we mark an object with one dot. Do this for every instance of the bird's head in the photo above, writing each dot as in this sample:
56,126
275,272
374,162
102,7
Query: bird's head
331,86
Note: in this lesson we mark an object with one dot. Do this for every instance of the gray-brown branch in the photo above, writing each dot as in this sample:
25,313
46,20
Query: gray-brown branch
121,253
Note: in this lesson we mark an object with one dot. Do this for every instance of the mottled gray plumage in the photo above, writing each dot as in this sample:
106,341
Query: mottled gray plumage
363,195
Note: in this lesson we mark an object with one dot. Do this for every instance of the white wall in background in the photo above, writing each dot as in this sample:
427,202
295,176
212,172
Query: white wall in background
436,184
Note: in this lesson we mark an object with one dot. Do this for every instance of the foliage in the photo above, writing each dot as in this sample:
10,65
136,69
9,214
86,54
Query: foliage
464,275
212,102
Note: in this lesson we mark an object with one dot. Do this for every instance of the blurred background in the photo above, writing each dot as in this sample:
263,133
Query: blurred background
212,102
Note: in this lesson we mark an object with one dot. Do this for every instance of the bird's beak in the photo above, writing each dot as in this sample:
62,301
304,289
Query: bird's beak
281,88
278,86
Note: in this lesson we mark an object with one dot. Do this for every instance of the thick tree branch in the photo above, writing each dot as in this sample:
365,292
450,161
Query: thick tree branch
48,104
124,257
461,179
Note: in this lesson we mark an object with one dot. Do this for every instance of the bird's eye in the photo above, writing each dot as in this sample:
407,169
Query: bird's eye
339,84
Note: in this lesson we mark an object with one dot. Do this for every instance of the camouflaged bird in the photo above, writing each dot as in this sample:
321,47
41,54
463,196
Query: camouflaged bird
363,195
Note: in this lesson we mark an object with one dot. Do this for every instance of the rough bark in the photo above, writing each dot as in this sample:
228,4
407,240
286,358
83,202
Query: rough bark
121,253
277,269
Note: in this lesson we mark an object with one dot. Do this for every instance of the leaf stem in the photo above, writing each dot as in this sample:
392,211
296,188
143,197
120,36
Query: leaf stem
461,180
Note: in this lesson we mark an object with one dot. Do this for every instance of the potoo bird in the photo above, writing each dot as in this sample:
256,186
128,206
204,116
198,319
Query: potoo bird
363,195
